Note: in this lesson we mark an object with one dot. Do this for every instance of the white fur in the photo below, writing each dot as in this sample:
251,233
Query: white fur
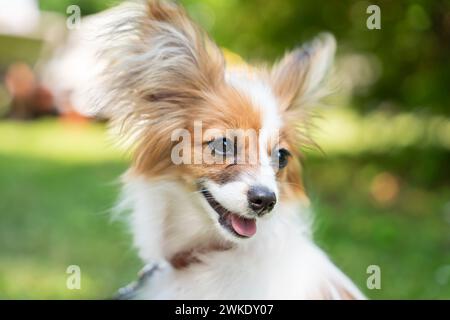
260,94
233,195
165,218
279,262
168,218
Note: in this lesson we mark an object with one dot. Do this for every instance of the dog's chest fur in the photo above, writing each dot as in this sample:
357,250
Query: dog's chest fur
280,261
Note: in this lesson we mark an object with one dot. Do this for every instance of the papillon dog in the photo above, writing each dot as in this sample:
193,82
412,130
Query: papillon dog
215,214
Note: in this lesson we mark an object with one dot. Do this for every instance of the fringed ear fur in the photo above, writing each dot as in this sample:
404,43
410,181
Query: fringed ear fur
157,60
297,78
298,83
158,64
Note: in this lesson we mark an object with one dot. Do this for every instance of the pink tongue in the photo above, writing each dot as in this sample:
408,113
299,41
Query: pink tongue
244,227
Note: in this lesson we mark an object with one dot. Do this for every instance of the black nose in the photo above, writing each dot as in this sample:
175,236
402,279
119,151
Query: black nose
261,199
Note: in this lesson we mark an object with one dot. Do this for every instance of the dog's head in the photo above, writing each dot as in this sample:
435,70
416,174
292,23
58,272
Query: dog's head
229,134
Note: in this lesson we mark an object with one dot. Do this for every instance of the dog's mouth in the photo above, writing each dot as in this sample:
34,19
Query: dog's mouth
236,224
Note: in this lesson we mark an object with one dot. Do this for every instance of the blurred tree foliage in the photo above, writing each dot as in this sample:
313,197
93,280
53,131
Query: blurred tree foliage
87,6
411,51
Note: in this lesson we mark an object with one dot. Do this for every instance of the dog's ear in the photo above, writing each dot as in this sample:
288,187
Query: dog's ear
158,63
298,76
180,53
153,55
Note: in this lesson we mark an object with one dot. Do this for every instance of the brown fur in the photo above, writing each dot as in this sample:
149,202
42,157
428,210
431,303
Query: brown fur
191,87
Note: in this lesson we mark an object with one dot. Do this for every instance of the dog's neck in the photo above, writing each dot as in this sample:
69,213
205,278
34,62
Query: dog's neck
184,259
167,224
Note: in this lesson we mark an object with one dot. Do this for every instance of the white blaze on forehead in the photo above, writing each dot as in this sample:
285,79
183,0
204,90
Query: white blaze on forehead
262,98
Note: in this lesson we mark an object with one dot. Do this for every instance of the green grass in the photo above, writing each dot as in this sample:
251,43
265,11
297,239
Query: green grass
58,182
55,212
409,238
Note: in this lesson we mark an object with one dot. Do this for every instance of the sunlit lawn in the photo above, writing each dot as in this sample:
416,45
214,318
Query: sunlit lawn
58,182
57,185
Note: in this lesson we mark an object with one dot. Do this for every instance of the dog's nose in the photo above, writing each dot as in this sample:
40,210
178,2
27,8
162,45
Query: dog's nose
261,199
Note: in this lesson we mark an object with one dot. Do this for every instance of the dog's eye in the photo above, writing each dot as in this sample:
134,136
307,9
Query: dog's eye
282,157
222,146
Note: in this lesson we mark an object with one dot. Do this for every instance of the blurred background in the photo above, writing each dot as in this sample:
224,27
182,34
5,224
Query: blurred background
380,185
